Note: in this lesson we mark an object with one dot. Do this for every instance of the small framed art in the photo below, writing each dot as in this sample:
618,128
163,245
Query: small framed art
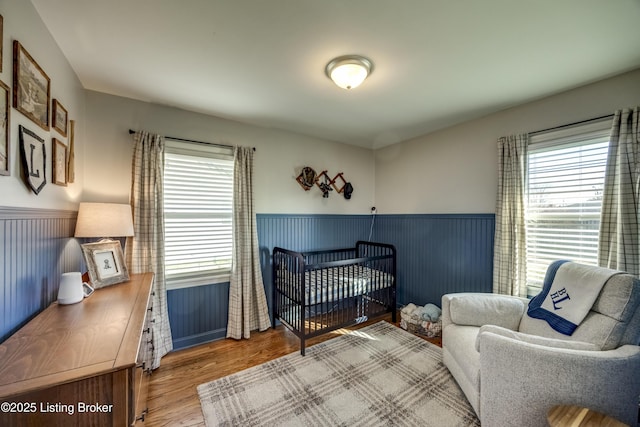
59,118
31,87
1,39
71,156
59,162
105,263
5,147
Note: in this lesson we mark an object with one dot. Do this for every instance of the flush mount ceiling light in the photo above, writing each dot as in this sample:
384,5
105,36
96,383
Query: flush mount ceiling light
349,71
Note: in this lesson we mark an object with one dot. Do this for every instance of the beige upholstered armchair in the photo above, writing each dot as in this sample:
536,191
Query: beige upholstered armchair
514,360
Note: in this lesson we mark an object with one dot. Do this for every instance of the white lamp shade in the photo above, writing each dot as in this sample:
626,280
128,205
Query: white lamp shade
104,220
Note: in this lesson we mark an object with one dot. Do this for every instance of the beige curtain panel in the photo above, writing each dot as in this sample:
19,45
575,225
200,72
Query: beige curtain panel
619,243
248,309
509,257
145,250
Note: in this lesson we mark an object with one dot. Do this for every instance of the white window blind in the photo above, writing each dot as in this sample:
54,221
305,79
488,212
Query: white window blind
198,194
564,197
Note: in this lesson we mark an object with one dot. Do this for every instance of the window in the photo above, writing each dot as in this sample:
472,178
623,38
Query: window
198,194
565,180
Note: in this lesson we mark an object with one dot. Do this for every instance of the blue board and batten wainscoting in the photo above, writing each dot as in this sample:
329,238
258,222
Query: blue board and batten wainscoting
198,314
439,254
36,247
436,254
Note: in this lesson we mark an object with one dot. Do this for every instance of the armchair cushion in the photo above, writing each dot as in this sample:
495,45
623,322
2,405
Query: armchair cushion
482,309
533,339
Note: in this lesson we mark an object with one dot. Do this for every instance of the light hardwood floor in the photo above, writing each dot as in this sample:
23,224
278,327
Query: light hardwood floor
173,399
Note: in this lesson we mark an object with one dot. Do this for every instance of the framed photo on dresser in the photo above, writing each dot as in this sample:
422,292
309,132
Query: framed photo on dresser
105,263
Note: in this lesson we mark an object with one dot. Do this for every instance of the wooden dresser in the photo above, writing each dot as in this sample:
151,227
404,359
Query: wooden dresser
85,364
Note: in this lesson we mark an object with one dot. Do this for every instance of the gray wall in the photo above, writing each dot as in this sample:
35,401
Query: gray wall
455,170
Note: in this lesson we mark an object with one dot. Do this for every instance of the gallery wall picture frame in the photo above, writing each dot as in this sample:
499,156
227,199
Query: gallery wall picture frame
5,126
59,154
31,87
60,118
34,159
105,263
1,39
71,158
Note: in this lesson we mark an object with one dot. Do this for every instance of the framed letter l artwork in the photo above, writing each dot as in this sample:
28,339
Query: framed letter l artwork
34,159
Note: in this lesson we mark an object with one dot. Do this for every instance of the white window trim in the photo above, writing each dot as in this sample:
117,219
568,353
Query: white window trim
569,134
193,281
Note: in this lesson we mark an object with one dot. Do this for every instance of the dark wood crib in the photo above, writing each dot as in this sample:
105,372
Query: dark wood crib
318,292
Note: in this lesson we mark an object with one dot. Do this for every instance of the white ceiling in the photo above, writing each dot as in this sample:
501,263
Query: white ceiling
436,62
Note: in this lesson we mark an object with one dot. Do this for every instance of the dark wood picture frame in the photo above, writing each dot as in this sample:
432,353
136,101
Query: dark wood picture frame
31,87
1,40
5,126
71,156
60,118
59,155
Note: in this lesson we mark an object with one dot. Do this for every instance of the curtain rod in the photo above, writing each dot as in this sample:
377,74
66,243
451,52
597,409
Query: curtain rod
608,116
131,131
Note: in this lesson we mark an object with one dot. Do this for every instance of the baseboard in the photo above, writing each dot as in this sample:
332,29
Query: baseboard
203,338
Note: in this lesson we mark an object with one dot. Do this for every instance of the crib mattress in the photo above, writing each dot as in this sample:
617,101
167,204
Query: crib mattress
333,284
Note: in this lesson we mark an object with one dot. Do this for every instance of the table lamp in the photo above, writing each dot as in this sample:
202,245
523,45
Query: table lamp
105,260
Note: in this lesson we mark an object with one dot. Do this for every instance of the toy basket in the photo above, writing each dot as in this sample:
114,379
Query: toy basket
421,327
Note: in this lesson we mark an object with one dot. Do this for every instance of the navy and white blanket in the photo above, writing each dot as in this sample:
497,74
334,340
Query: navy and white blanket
568,293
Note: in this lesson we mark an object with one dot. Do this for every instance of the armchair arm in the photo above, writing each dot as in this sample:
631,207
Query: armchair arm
521,381
478,309
534,339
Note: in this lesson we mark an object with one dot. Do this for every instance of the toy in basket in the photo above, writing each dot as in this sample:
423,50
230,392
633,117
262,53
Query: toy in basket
421,320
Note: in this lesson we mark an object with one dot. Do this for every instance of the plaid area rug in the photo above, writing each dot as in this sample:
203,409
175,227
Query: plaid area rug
379,375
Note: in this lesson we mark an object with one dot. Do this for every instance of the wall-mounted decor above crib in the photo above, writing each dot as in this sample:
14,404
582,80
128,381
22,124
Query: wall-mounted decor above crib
308,178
